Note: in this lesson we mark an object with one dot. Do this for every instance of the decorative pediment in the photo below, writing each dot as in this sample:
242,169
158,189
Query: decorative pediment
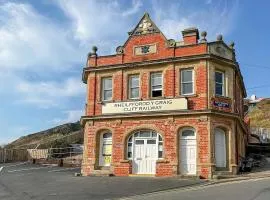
145,26
219,49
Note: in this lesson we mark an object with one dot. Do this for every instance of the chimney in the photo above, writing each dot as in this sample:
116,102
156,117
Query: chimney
190,35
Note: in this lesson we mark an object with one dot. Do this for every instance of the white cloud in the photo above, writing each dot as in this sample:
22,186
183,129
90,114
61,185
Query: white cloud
49,94
136,5
94,21
215,18
71,116
30,40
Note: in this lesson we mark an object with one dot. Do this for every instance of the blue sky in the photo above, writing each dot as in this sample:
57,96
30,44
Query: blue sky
43,48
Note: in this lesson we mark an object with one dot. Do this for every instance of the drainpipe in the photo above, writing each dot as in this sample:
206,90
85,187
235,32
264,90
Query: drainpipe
95,91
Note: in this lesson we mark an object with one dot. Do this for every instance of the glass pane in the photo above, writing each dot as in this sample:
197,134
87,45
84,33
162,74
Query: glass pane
129,144
154,134
107,95
107,83
159,138
134,93
139,142
145,134
186,76
136,134
187,88
160,154
160,147
187,133
130,139
107,135
219,77
219,89
134,81
158,87
151,141
129,148
156,79
107,149
129,154
157,93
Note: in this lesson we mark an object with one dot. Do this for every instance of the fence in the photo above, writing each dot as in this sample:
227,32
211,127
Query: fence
72,154
11,155
263,133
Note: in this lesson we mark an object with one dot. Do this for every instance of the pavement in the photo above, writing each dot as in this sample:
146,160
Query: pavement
252,189
24,181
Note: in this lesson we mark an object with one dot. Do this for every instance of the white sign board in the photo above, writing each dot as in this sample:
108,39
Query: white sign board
144,106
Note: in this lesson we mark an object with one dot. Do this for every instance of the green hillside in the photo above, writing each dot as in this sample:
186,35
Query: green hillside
260,115
59,136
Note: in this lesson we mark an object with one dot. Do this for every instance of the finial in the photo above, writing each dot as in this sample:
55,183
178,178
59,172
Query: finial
219,37
94,50
203,34
231,45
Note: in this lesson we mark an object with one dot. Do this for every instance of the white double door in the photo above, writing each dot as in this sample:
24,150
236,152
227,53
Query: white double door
188,158
145,156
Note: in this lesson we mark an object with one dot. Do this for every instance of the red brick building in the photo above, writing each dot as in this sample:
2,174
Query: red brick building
164,107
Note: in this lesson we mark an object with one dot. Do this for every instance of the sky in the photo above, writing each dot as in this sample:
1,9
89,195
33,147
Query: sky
44,43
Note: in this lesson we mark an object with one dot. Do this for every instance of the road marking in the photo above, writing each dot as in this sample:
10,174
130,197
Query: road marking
66,169
27,169
1,168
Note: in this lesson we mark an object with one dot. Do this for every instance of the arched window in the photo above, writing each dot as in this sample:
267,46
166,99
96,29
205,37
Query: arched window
150,136
105,150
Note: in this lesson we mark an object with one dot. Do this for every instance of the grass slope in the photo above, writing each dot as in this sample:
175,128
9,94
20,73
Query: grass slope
260,115
59,136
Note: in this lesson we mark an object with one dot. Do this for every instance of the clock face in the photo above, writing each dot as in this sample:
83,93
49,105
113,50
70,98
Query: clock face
145,49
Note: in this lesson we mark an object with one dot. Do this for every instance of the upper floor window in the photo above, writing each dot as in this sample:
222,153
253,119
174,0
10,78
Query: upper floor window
156,84
187,85
134,86
219,80
107,89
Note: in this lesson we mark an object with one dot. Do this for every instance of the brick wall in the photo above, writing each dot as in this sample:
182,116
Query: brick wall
169,129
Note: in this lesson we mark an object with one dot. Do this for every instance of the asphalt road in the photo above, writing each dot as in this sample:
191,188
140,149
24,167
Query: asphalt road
256,189
23,181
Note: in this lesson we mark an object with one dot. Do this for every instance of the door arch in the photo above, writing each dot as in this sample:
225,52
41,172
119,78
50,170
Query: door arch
144,148
187,151
105,150
220,148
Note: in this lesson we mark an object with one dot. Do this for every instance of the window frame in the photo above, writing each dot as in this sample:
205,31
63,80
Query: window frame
151,86
103,90
222,84
130,87
182,83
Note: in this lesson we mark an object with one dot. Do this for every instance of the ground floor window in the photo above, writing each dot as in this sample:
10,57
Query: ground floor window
105,154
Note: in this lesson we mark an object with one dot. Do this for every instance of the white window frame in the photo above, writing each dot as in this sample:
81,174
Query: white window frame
223,84
130,86
151,86
103,90
182,82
